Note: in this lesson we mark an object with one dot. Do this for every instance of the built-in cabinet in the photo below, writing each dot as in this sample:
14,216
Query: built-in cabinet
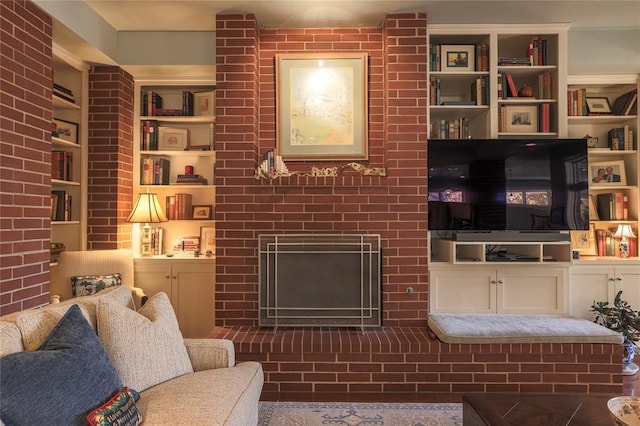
474,92
174,157
499,277
600,281
189,283
69,150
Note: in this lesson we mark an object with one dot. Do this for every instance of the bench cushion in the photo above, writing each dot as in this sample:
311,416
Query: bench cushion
518,328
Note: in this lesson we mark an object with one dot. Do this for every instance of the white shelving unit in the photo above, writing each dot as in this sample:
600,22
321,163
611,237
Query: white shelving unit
72,73
598,126
200,131
503,40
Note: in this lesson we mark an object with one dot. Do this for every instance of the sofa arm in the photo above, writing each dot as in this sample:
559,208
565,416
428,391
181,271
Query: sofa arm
208,354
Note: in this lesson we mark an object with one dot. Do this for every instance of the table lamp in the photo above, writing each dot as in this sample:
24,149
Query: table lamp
147,210
624,232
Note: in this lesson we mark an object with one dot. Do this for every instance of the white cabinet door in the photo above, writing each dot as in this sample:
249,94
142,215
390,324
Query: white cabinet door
533,290
627,279
463,290
190,285
589,284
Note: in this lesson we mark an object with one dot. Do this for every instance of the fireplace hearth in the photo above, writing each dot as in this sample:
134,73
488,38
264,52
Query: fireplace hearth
320,280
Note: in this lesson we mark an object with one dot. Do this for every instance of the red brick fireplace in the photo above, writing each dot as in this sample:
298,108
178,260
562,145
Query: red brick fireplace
400,356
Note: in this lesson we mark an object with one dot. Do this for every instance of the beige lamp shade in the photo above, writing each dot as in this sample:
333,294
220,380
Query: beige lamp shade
624,231
147,210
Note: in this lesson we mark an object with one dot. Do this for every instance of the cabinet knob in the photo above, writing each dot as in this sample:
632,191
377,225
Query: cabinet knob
174,277
618,279
167,276
500,281
493,282
612,279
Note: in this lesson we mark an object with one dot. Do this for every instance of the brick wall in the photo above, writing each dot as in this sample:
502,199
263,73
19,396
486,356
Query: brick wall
25,168
393,206
110,159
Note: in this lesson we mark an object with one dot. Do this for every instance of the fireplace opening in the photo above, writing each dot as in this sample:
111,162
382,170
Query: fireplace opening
320,280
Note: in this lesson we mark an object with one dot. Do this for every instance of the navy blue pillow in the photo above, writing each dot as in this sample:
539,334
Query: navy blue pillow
66,378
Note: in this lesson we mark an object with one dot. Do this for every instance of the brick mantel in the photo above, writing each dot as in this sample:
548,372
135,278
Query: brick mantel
393,206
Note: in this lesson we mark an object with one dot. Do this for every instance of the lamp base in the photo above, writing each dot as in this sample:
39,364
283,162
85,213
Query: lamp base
145,241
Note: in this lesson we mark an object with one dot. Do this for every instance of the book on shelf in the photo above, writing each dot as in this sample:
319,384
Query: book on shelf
192,179
544,85
613,206
544,118
157,241
537,51
577,102
151,102
187,244
607,244
620,138
154,171
482,57
479,92
149,135
60,206
64,93
434,91
625,103
179,206
62,165
512,92
451,129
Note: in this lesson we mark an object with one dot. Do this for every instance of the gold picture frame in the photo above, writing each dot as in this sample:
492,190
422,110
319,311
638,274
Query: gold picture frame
322,106
202,212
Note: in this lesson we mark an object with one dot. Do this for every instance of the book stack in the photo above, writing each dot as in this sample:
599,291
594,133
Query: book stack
544,85
272,164
613,206
506,86
179,206
544,118
154,171
187,245
577,102
537,51
514,61
482,57
61,165
620,138
626,104
149,135
451,129
151,103
192,179
64,93
157,241
60,206
479,92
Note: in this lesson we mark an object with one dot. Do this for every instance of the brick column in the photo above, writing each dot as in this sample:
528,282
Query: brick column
26,85
110,160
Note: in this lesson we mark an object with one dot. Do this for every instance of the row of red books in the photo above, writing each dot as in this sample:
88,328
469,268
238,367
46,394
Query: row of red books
609,245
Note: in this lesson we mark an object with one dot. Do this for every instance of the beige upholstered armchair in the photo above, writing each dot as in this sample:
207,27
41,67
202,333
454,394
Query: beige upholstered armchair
93,262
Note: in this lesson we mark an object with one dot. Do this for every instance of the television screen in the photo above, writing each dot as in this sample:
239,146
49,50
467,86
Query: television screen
508,184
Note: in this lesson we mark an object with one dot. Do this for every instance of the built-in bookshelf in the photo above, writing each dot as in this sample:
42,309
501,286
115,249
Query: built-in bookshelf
601,108
69,151
174,157
493,81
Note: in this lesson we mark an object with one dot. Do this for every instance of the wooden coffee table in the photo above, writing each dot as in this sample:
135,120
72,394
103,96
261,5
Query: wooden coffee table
524,409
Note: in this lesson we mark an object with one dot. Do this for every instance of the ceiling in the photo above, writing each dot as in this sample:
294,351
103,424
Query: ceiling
189,15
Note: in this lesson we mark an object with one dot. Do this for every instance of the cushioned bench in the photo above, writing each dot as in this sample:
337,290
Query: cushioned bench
518,328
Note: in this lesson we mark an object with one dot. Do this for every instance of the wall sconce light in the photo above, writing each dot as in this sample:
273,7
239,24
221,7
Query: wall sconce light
147,210
624,232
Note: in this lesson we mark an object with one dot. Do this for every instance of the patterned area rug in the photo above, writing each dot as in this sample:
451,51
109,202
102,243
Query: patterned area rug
358,414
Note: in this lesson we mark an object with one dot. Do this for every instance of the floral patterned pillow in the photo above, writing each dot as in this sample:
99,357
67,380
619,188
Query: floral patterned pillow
86,285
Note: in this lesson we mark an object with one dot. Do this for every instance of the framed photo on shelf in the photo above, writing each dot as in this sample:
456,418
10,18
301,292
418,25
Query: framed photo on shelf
65,130
457,57
172,138
204,103
520,118
202,212
584,241
598,106
207,239
608,172
321,106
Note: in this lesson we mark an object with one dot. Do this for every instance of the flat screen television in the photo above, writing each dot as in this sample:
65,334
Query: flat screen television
507,185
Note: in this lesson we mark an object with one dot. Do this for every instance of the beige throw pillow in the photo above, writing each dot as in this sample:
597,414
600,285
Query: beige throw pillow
146,347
